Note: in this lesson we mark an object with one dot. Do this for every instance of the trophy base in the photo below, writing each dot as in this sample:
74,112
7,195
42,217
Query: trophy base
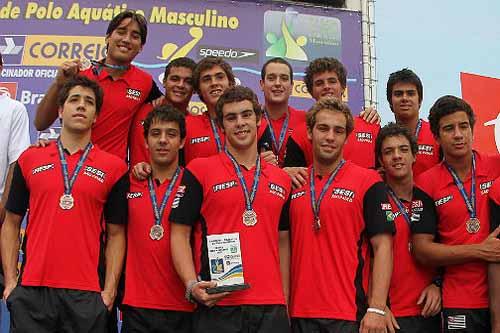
223,289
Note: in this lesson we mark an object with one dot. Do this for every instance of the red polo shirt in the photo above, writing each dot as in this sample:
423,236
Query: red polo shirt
465,285
428,150
495,204
137,143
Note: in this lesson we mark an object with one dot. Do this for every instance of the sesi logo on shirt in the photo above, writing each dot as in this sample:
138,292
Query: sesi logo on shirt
133,94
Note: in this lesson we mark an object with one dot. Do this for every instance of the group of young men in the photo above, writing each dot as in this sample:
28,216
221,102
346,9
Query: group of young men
342,226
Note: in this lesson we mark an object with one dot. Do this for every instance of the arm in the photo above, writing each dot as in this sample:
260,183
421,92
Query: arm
115,254
10,250
6,190
494,291
370,115
284,242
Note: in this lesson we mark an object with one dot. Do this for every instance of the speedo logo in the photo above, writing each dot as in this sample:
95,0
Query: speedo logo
443,200
134,195
133,94
224,186
298,194
364,137
243,55
42,168
95,173
200,139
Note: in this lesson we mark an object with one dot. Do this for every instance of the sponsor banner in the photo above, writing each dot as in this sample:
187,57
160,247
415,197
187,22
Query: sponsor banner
483,94
37,36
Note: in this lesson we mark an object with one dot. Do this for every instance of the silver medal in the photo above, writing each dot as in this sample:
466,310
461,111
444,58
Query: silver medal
249,218
66,201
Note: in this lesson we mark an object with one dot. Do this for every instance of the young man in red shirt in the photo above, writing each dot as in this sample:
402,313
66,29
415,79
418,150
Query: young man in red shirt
75,238
460,239
235,191
333,219
126,87
404,94
414,299
154,295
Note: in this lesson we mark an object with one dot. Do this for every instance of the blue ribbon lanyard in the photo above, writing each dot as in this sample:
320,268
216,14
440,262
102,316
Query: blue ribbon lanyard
215,132
470,202
68,183
158,212
400,205
316,205
249,197
277,145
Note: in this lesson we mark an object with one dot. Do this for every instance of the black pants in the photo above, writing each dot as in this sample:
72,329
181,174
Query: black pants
419,324
241,319
43,309
466,320
321,325
138,320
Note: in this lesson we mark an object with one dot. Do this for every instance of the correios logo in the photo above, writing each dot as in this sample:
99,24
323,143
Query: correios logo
9,89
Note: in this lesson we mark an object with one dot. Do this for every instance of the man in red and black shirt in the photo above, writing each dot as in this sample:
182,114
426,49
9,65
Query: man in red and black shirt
459,240
235,191
126,87
333,218
154,295
494,268
178,84
404,94
414,300
73,259
327,78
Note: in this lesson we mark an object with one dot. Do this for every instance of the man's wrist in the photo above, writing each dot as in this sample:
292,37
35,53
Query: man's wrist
377,311
189,291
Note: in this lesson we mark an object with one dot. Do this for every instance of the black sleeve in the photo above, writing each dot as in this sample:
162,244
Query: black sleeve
285,216
426,223
265,142
187,202
116,207
377,220
294,156
494,215
19,194
154,93
182,159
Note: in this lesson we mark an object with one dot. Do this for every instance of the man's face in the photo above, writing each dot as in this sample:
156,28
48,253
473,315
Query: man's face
326,85
179,86
213,83
124,43
455,135
328,136
240,123
405,101
396,157
79,110
164,141
277,84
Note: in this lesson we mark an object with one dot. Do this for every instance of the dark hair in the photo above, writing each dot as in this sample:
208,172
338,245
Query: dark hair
447,105
276,60
321,65
330,104
208,63
165,113
406,76
81,81
179,62
141,22
237,94
391,130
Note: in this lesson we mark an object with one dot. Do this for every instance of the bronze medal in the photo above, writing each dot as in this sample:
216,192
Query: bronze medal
249,218
66,201
156,232
473,225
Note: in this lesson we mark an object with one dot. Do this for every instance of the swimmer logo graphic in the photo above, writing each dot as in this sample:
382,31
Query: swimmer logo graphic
483,95
300,37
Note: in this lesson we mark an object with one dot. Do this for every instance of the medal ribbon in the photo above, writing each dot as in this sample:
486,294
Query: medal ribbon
158,212
316,205
470,202
400,205
418,128
249,197
68,184
277,144
215,132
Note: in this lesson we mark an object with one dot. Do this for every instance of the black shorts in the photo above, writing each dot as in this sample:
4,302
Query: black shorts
243,318
321,325
138,320
419,324
43,309
466,320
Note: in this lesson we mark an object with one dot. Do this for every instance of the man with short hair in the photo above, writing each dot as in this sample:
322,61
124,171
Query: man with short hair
494,268
333,218
154,295
70,188
126,87
460,239
178,84
235,191
404,94
414,299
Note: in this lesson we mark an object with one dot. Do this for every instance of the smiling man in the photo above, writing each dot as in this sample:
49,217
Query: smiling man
73,260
